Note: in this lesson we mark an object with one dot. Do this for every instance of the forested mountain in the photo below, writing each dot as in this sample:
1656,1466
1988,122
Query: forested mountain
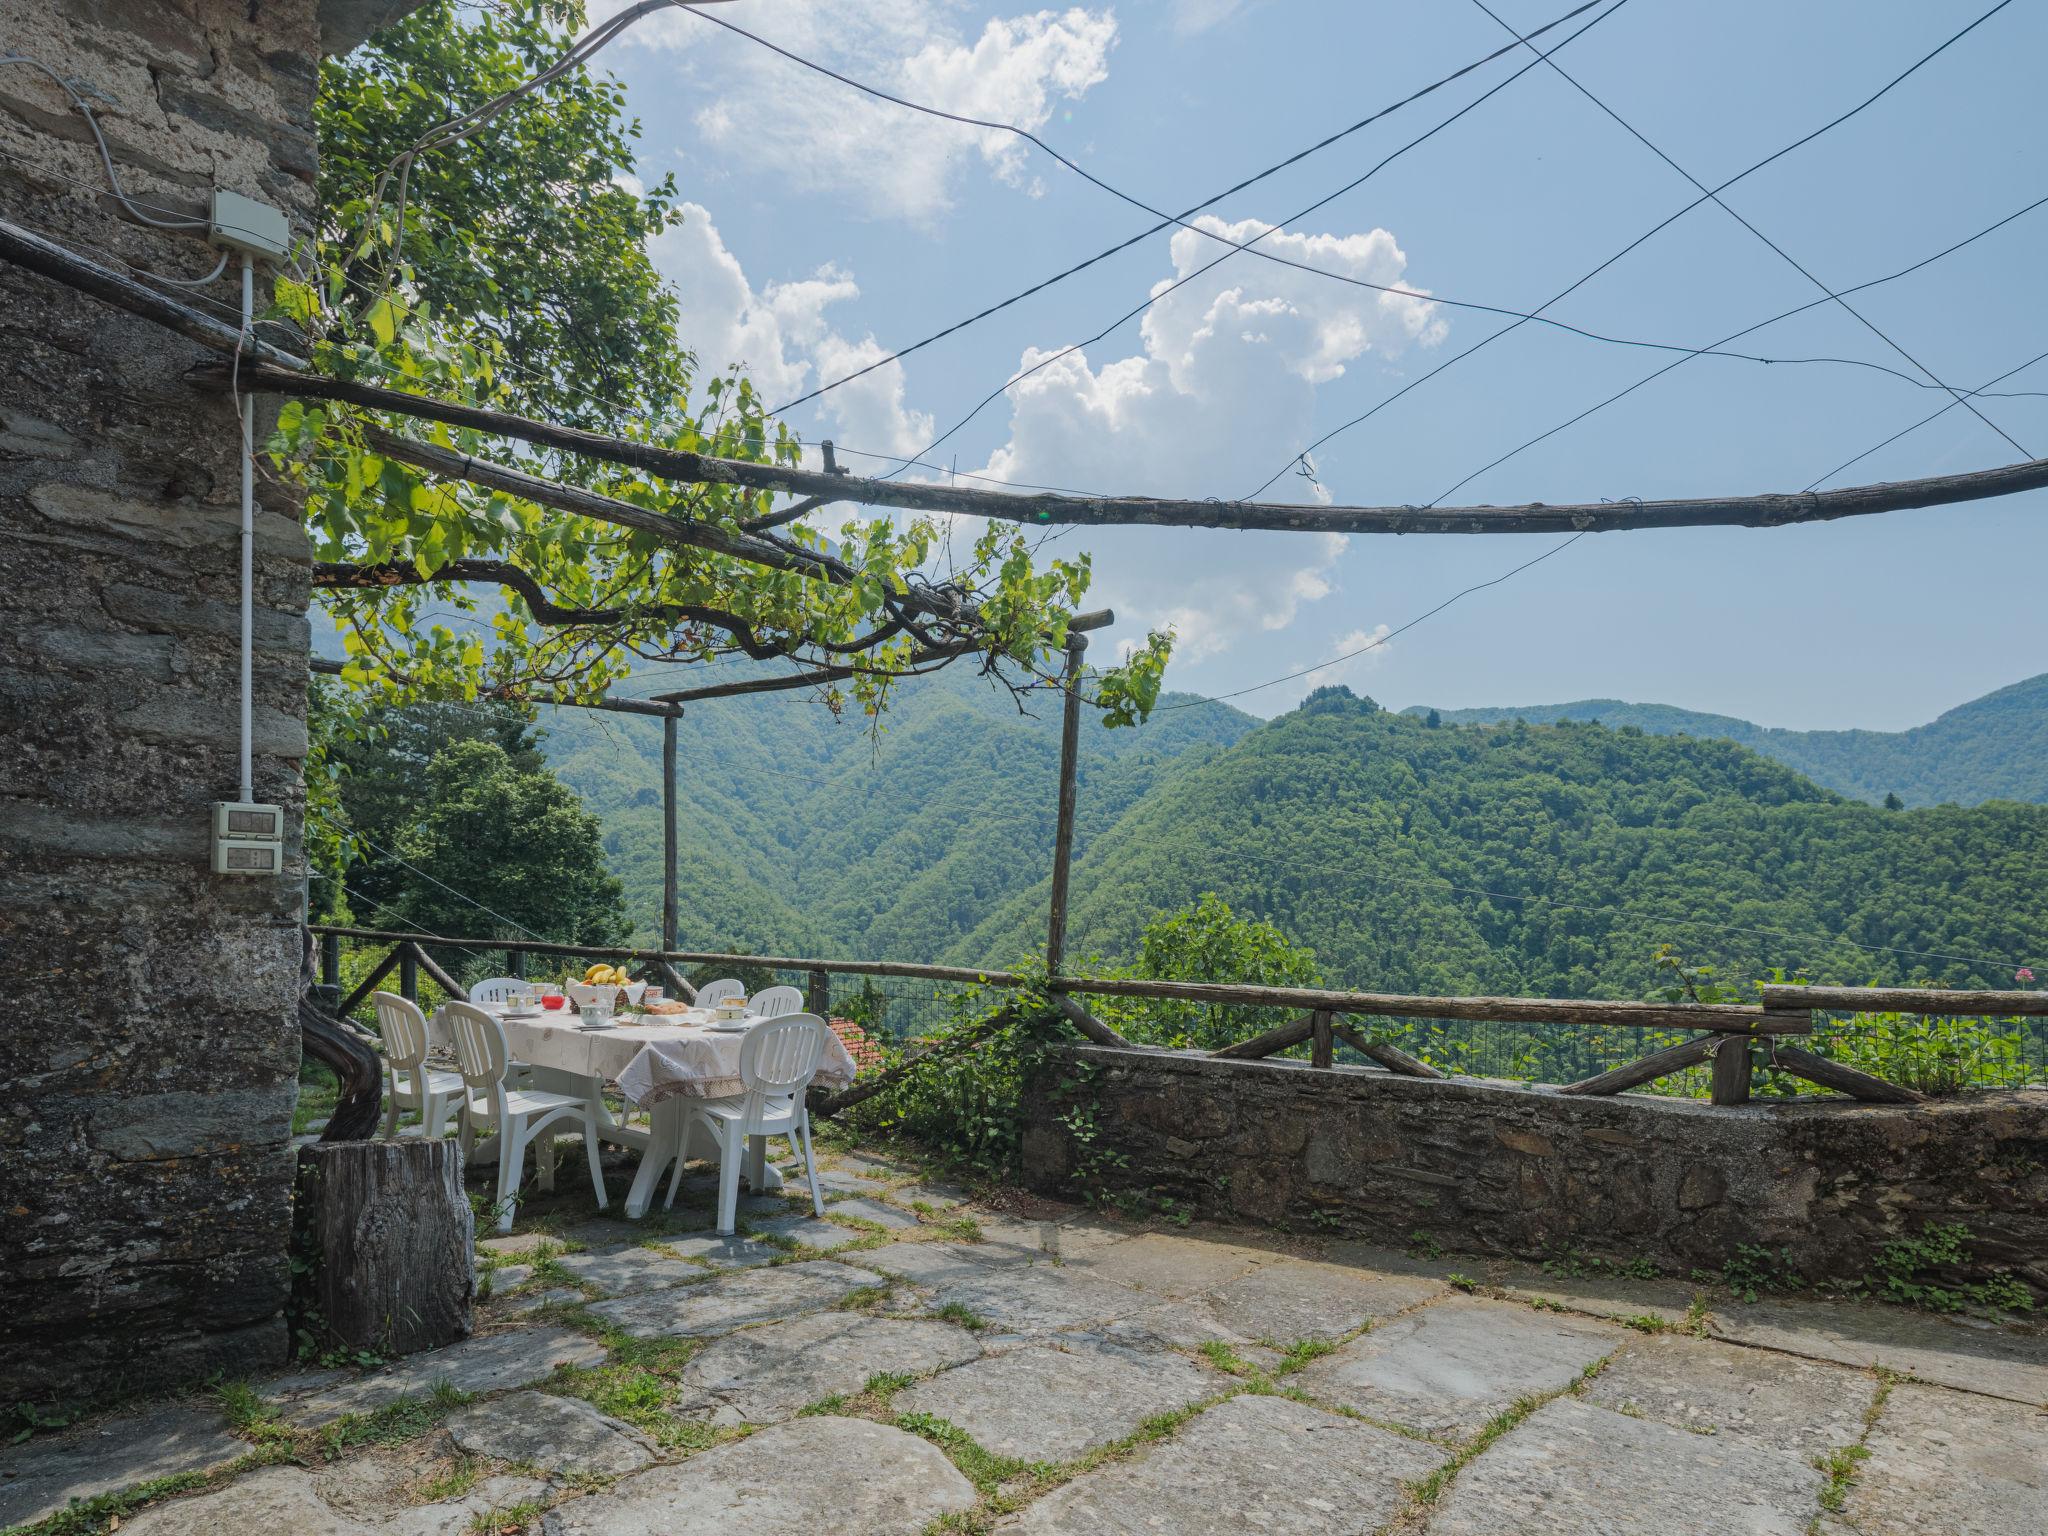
801,832
1993,748
1514,858
1554,859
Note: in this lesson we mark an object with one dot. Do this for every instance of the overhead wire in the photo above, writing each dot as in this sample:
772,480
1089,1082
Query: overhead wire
1164,289
1790,260
1828,294
1382,640
1916,426
1165,222
1646,236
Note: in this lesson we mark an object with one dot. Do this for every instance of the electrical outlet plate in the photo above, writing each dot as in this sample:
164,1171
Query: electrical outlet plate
243,224
247,819
247,856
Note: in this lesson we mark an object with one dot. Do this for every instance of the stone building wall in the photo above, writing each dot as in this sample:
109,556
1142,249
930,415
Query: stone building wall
148,1047
1524,1171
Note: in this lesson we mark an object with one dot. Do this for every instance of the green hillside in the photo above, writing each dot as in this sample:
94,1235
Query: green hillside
1993,748
802,832
1554,859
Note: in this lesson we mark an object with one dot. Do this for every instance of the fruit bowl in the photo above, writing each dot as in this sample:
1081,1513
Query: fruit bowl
581,992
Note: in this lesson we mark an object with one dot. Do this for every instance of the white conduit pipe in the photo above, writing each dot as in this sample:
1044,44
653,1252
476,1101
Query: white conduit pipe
248,539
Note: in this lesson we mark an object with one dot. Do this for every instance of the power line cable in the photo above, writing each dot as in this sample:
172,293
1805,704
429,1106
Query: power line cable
1827,292
1916,426
379,848
1383,639
1647,235
1296,217
1166,222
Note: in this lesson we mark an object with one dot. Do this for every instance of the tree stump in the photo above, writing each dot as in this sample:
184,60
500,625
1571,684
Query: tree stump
382,1237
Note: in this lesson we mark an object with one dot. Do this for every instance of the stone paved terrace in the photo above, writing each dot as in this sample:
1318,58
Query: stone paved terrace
917,1363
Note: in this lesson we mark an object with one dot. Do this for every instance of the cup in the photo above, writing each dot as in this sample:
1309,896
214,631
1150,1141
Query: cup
652,995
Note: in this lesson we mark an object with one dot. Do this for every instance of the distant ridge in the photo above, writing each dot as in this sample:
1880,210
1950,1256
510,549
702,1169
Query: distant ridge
1992,748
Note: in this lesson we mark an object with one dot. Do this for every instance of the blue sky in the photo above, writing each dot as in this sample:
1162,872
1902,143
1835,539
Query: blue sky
825,229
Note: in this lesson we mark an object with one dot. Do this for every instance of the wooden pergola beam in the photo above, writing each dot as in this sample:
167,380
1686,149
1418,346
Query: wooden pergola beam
267,368
1047,508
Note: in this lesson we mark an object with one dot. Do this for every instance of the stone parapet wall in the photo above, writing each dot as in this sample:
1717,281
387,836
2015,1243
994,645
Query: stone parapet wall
1524,1171
149,1057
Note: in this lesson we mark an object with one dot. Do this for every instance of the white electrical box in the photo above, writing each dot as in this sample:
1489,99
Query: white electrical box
242,818
248,839
243,224
243,856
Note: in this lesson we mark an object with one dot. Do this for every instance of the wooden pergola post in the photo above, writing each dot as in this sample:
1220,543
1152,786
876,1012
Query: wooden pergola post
668,826
1063,833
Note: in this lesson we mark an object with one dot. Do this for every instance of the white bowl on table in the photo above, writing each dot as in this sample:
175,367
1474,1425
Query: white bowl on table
581,993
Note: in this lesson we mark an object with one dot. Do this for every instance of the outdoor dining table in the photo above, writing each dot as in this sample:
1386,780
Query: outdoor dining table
659,1062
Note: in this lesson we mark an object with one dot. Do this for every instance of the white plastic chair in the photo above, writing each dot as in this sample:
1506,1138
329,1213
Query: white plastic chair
498,989
712,993
520,1116
774,1002
409,1082
777,1062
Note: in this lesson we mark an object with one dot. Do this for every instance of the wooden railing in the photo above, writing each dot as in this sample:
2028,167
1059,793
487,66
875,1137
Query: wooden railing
1724,1030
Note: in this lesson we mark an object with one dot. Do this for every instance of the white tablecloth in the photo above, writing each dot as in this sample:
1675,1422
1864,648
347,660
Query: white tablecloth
650,1060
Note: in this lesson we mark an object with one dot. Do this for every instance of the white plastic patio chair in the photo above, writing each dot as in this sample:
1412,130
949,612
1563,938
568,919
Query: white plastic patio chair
774,1002
498,989
777,1062
409,1082
520,1116
712,993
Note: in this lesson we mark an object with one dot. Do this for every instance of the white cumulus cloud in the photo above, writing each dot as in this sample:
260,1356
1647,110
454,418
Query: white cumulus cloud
1359,651
815,135
1222,388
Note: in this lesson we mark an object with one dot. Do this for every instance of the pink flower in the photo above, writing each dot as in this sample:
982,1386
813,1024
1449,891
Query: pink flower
2024,973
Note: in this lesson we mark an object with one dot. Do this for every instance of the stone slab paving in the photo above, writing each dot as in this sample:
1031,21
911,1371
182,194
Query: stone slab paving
1571,1469
1169,1265
1618,1297
381,1489
1293,1299
622,1271
890,1217
837,1179
493,1363
764,1375
1994,1361
1262,1464
1942,1462
555,1434
285,1501
848,1477
1052,1402
41,1476
1803,1407
722,1252
1038,1298
808,1230
735,1300
1450,1367
935,1263
939,1197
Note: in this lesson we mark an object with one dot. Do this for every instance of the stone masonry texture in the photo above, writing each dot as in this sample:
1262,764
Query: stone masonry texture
149,1056
1524,1171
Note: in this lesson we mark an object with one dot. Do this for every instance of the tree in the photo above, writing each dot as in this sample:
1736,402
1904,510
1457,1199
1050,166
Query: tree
1206,941
528,231
381,767
508,270
1892,802
516,844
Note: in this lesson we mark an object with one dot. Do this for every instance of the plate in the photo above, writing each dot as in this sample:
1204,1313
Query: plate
729,1026
594,1029
520,1013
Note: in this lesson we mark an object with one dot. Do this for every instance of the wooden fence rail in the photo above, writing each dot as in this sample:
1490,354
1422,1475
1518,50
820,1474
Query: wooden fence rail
1724,1037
